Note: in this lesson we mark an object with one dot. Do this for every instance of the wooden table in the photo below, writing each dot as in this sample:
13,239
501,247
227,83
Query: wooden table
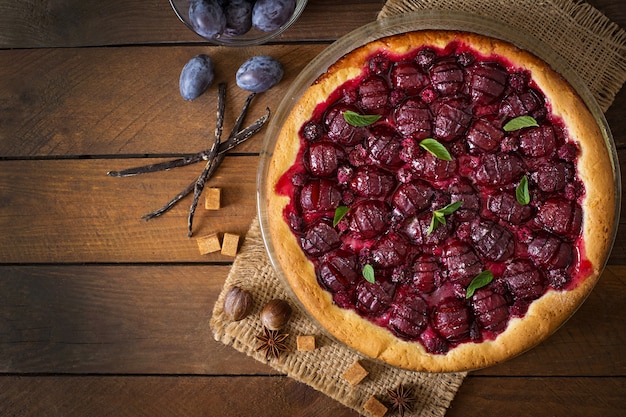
104,314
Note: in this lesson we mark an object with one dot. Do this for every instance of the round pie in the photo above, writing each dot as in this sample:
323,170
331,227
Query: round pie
440,200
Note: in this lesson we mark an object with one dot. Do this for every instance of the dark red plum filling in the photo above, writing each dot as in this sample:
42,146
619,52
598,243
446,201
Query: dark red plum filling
392,187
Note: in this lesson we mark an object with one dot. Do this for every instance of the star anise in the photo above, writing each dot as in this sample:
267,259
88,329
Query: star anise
402,399
272,343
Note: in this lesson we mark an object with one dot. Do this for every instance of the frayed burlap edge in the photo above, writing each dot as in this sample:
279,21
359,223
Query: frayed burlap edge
323,367
592,45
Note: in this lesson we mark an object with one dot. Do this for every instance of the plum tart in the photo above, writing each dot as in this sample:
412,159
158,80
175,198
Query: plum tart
440,200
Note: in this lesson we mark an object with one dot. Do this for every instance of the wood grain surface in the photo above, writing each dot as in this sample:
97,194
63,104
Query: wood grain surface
103,313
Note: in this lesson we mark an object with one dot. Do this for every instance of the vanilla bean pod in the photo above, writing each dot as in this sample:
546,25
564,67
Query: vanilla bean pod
237,139
188,160
240,119
170,203
201,181
246,133
159,166
166,165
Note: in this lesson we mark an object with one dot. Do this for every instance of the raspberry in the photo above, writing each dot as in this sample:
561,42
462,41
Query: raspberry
379,64
568,152
428,95
465,59
312,131
344,174
518,81
425,58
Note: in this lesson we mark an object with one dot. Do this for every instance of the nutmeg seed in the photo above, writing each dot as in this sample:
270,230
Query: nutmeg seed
237,303
275,314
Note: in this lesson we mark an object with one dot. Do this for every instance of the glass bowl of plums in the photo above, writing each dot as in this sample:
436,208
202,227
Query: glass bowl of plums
238,22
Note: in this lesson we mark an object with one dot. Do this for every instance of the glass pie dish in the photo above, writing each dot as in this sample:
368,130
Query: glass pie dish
423,21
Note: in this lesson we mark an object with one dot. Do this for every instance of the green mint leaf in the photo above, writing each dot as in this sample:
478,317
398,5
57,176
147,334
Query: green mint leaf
479,281
521,192
520,122
434,222
450,208
356,119
436,148
339,213
439,215
368,273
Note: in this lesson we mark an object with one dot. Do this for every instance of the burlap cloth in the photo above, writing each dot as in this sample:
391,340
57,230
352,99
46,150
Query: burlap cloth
594,47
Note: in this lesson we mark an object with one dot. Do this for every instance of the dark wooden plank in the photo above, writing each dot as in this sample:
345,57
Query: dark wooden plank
32,23
613,9
114,319
513,397
120,101
71,211
164,397
618,254
281,396
615,119
154,319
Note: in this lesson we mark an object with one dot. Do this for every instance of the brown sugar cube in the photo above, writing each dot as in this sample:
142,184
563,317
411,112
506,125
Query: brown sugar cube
212,198
305,343
208,244
355,374
375,407
230,243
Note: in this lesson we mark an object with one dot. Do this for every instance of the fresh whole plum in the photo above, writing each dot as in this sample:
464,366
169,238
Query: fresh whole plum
238,17
270,15
207,18
196,76
259,73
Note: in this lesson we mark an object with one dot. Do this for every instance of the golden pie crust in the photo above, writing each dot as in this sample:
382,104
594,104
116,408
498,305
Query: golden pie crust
545,314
